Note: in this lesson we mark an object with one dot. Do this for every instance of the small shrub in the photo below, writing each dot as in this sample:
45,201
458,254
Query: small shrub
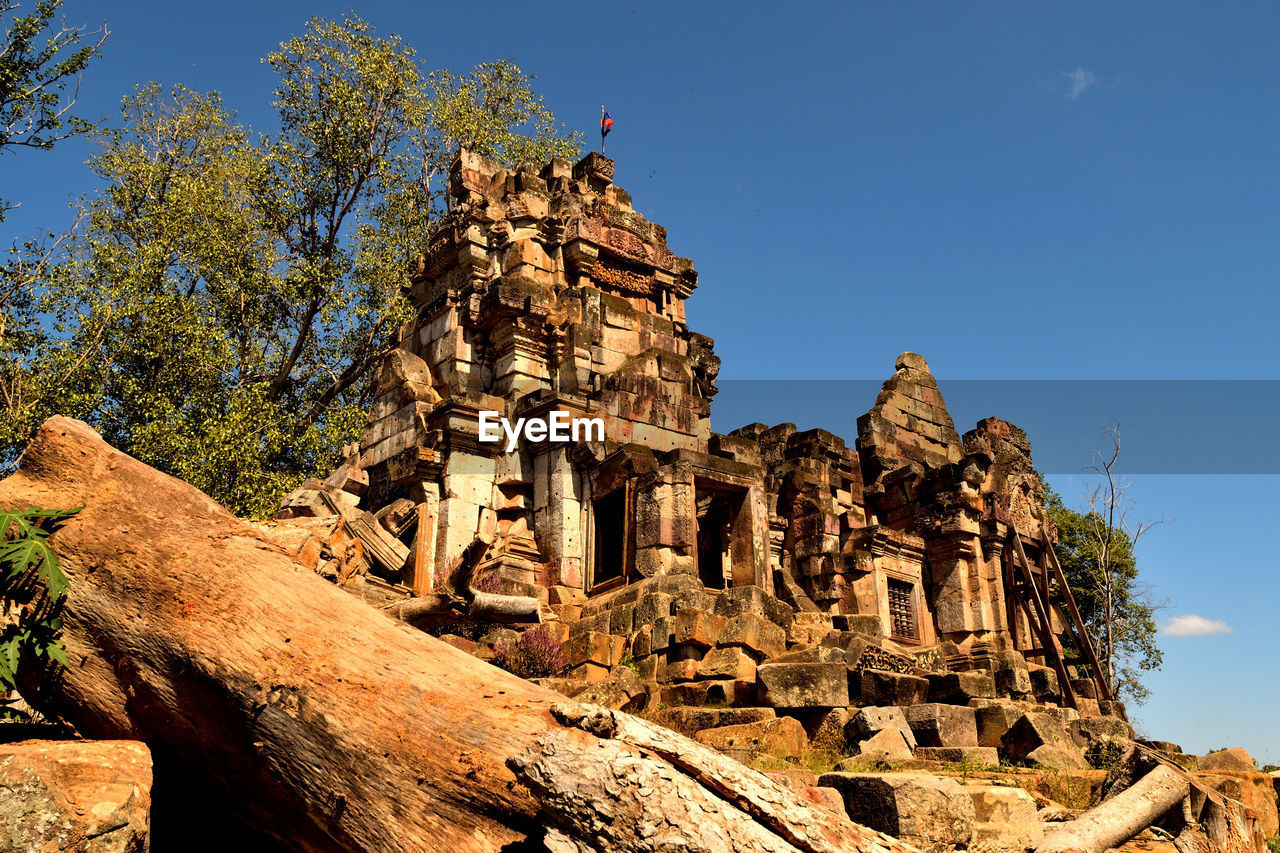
28,567
535,655
1273,844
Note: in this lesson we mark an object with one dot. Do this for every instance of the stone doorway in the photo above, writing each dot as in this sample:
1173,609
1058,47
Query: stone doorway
724,534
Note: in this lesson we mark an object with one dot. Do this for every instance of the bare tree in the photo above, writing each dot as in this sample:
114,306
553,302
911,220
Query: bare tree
1127,607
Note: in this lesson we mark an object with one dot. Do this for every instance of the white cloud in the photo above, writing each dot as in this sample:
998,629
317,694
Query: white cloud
1192,625
1081,82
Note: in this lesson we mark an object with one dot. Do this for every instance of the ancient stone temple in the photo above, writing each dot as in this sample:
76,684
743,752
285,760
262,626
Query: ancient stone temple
545,292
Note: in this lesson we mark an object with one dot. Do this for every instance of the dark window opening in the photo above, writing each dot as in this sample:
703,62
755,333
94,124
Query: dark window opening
610,514
902,611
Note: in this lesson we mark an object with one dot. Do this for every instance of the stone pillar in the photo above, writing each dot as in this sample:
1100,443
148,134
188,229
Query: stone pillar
558,513
424,545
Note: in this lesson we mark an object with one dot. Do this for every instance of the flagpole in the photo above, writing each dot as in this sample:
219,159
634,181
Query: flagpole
602,130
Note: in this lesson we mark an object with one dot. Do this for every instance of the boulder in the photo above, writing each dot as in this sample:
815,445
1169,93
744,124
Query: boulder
943,725
880,687
930,812
75,795
867,722
803,685
1227,759
782,737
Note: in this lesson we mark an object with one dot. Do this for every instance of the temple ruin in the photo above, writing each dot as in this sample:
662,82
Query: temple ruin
544,290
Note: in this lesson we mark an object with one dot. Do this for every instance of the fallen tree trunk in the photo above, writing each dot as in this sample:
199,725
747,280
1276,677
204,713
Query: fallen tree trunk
321,721
1121,817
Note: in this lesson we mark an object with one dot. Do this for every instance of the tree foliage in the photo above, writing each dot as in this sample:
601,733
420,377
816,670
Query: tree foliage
40,77
1096,547
229,293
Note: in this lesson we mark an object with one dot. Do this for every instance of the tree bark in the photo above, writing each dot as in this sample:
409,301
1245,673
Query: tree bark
328,725
1121,817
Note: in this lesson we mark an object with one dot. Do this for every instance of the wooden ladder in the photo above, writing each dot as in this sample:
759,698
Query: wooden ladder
1028,589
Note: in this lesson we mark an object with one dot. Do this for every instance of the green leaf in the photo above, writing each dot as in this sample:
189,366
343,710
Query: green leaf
58,652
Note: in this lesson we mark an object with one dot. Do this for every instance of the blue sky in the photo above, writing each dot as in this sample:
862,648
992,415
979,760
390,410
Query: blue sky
1018,191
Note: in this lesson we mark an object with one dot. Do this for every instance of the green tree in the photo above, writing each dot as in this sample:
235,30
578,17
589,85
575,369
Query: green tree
234,289
1097,549
40,69
40,76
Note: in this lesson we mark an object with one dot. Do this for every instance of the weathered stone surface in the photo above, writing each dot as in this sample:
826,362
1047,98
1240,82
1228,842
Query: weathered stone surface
1055,757
867,722
958,688
1228,759
878,687
782,737
75,796
1044,686
1005,818
755,633
696,719
753,600
1034,730
622,690
795,778
1256,790
712,692
1087,731
727,663
1013,683
984,755
591,647
885,745
943,725
803,685
930,812
827,798
826,726
698,628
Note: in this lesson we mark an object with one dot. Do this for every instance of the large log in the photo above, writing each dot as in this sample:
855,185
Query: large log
322,722
1121,817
